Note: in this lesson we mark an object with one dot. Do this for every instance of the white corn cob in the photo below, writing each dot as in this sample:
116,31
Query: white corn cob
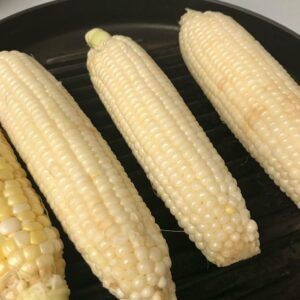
83,181
31,262
177,156
251,91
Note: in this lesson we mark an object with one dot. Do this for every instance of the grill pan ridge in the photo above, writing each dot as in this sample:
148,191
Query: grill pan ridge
60,47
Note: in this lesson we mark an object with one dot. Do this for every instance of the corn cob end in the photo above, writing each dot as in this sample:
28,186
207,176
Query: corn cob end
96,37
190,13
55,289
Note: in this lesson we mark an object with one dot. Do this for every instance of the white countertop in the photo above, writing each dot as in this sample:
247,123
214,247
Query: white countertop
286,12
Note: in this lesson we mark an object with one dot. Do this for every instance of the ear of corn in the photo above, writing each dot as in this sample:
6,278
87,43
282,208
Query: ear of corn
251,91
31,262
84,183
177,156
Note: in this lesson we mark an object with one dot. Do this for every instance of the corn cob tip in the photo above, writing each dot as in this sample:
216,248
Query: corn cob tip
55,289
96,37
189,13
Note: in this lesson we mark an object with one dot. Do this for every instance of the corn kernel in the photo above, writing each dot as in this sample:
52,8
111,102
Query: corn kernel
60,266
3,268
21,238
10,192
56,232
3,201
25,183
47,247
16,259
51,234
31,226
230,210
5,174
20,172
27,215
20,207
5,166
33,200
31,252
10,225
15,199
3,163
37,209
44,220
8,247
5,212
37,237
58,245
45,264
12,184
29,269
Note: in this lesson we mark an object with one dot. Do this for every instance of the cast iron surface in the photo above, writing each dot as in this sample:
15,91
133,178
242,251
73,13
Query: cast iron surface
54,34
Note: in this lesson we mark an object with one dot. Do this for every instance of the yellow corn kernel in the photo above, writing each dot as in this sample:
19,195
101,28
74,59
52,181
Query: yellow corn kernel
60,265
16,259
45,264
15,199
31,252
44,220
3,201
29,269
50,232
5,212
38,209
6,174
8,247
3,268
19,274
22,238
25,184
32,226
37,237
26,216
58,245
47,247
20,172
12,184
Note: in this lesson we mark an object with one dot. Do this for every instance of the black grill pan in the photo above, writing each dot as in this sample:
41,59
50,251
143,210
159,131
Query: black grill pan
54,34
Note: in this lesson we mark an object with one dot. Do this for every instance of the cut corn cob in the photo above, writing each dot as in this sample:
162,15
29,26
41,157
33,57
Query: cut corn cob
177,156
251,91
31,262
84,183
